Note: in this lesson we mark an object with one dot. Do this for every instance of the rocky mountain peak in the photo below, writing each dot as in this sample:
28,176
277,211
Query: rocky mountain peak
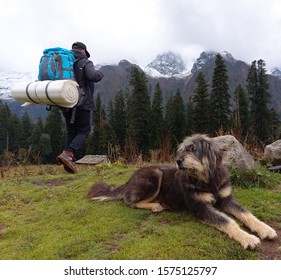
206,56
276,72
227,56
124,63
201,60
167,64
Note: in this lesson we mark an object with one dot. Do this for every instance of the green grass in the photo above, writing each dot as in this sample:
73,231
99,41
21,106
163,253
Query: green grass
45,214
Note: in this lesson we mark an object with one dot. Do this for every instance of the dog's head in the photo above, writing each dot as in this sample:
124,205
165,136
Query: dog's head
199,157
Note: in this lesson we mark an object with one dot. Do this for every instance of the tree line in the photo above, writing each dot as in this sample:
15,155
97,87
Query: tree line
136,125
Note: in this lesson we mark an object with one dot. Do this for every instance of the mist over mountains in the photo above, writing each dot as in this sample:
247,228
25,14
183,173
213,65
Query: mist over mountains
168,69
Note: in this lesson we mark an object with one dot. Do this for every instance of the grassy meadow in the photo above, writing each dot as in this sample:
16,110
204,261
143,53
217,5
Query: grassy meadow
45,214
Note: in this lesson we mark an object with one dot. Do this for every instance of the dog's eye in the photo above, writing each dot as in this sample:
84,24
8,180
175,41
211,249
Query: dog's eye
190,148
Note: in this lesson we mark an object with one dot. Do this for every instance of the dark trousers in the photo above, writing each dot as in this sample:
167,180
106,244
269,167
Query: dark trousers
77,131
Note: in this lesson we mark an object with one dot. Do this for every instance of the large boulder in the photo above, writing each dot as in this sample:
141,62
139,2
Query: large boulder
235,154
272,152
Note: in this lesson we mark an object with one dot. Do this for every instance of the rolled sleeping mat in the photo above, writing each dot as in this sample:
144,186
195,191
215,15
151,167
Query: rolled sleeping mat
63,93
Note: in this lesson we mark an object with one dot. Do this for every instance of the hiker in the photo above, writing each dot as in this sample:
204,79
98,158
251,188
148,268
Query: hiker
78,119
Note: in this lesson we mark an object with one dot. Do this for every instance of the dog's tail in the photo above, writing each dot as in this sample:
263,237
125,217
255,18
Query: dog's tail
103,192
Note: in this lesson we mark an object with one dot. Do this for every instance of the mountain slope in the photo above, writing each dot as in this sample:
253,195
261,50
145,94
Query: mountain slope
237,71
117,77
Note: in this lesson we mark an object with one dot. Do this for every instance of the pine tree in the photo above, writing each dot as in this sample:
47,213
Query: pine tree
45,148
93,141
257,87
219,98
200,100
111,120
275,125
241,111
15,134
139,112
175,119
97,142
56,130
27,130
40,143
190,118
118,119
179,125
169,114
5,127
157,121
10,130
40,124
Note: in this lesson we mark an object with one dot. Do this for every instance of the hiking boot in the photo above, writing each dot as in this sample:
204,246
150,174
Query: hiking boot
66,159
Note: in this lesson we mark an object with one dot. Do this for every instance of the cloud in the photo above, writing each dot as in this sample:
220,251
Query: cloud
138,30
248,29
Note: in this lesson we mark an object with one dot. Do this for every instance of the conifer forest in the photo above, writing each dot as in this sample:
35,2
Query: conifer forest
138,125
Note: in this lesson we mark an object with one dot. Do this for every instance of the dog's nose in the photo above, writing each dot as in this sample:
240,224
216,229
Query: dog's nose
179,162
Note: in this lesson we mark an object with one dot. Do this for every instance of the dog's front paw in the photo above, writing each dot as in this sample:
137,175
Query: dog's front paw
266,232
157,208
250,241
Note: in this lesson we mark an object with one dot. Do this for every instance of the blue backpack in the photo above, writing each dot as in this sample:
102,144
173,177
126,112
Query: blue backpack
56,64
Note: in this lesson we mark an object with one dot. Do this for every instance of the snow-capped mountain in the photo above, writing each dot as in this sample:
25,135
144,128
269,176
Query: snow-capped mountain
276,72
166,65
206,56
8,79
201,60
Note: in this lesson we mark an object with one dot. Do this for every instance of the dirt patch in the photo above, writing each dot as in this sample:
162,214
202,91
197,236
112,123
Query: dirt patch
51,183
2,226
277,189
271,249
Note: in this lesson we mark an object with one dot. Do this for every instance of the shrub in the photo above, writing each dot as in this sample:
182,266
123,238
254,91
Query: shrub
254,178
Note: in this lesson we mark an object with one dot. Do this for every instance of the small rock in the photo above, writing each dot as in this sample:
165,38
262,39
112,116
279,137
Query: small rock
92,159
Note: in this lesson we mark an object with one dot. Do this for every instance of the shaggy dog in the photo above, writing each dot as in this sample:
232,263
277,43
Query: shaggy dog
199,184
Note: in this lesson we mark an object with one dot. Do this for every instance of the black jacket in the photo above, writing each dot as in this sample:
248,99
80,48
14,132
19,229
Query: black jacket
86,75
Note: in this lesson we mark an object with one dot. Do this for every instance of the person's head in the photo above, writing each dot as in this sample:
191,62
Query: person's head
81,47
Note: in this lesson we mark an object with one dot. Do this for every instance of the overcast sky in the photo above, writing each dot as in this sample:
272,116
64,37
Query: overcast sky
138,30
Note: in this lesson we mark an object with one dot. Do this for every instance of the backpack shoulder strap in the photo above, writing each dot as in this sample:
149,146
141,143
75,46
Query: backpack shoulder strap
85,61
79,66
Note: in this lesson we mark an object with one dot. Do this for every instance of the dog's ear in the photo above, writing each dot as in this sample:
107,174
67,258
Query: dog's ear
214,153
219,155
205,144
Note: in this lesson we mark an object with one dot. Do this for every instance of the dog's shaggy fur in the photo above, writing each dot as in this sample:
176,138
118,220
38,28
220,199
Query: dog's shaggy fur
198,184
